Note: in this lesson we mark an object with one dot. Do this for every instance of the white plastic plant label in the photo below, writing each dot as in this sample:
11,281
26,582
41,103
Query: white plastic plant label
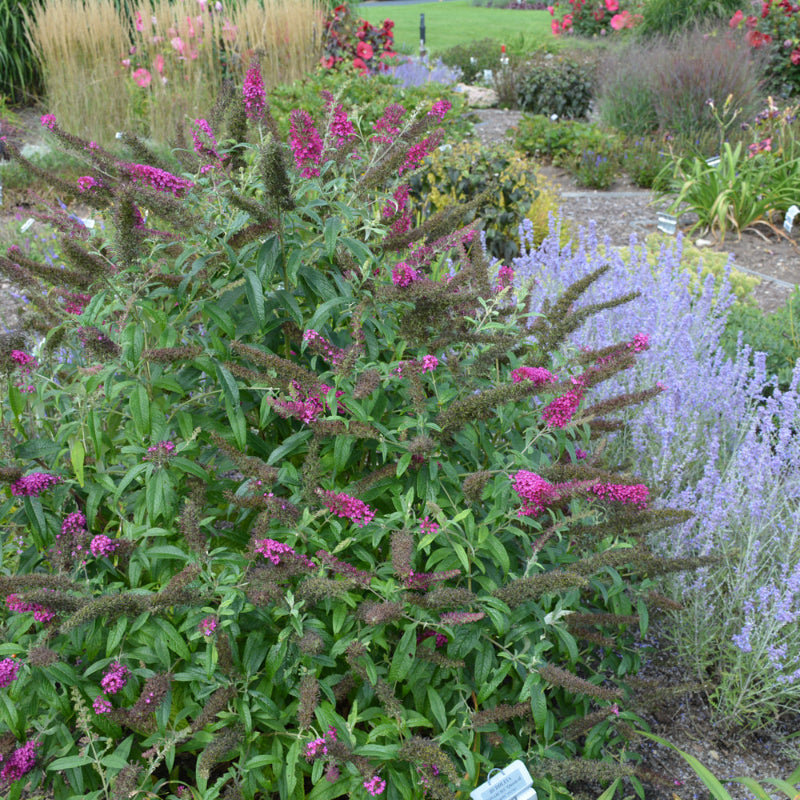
512,783
789,220
27,224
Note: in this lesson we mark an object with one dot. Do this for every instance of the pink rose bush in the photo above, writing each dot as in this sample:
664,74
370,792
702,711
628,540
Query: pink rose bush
593,17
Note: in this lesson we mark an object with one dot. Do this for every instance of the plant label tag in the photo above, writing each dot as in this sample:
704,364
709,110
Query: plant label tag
667,223
713,162
506,784
790,215
27,224
87,223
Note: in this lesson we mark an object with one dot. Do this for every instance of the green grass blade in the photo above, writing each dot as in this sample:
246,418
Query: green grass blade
754,786
712,784
785,786
609,793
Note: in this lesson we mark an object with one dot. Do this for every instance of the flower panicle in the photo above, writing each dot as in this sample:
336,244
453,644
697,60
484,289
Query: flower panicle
359,576
572,683
522,590
216,703
501,713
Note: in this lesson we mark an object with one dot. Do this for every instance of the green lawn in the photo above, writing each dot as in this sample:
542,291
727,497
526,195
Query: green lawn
457,22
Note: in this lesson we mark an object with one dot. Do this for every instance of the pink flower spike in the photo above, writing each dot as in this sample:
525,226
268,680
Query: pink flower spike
255,96
375,785
114,678
142,77
348,507
404,275
9,670
306,143
49,121
535,491
440,109
101,545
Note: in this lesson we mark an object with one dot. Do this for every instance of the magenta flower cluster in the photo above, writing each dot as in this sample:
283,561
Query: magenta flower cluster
207,149
86,182
440,109
158,179
101,705
535,491
427,525
306,143
333,354
305,407
49,121
440,639
636,494
9,670
319,747
207,626
375,785
20,762
559,412
102,546
539,376
255,96
114,678
34,484
347,507
160,452
279,553
389,123
76,302
40,613
505,277
341,128
404,274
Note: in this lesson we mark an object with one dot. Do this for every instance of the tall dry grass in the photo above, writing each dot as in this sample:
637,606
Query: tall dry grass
288,32
165,65
80,46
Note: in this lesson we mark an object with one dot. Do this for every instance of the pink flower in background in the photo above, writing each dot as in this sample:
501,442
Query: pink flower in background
86,182
736,19
229,31
49,121
158,64
567,22
440,108
139,21
360,65
364,50
178,44
555,26
612,5
623,20
126,62
142,77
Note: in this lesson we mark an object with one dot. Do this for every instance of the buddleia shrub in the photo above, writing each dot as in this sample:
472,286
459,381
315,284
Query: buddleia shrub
300,500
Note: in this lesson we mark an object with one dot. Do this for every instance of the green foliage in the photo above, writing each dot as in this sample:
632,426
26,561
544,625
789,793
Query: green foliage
366,96
597,170
562,141
281,451
503,179
777,334
667,17
776,31
20,74
473,58
474,23
643,160
555,85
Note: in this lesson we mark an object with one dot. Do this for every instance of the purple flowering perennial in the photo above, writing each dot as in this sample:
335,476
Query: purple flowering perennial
34,484
720,440
158,179
9,670
306,143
